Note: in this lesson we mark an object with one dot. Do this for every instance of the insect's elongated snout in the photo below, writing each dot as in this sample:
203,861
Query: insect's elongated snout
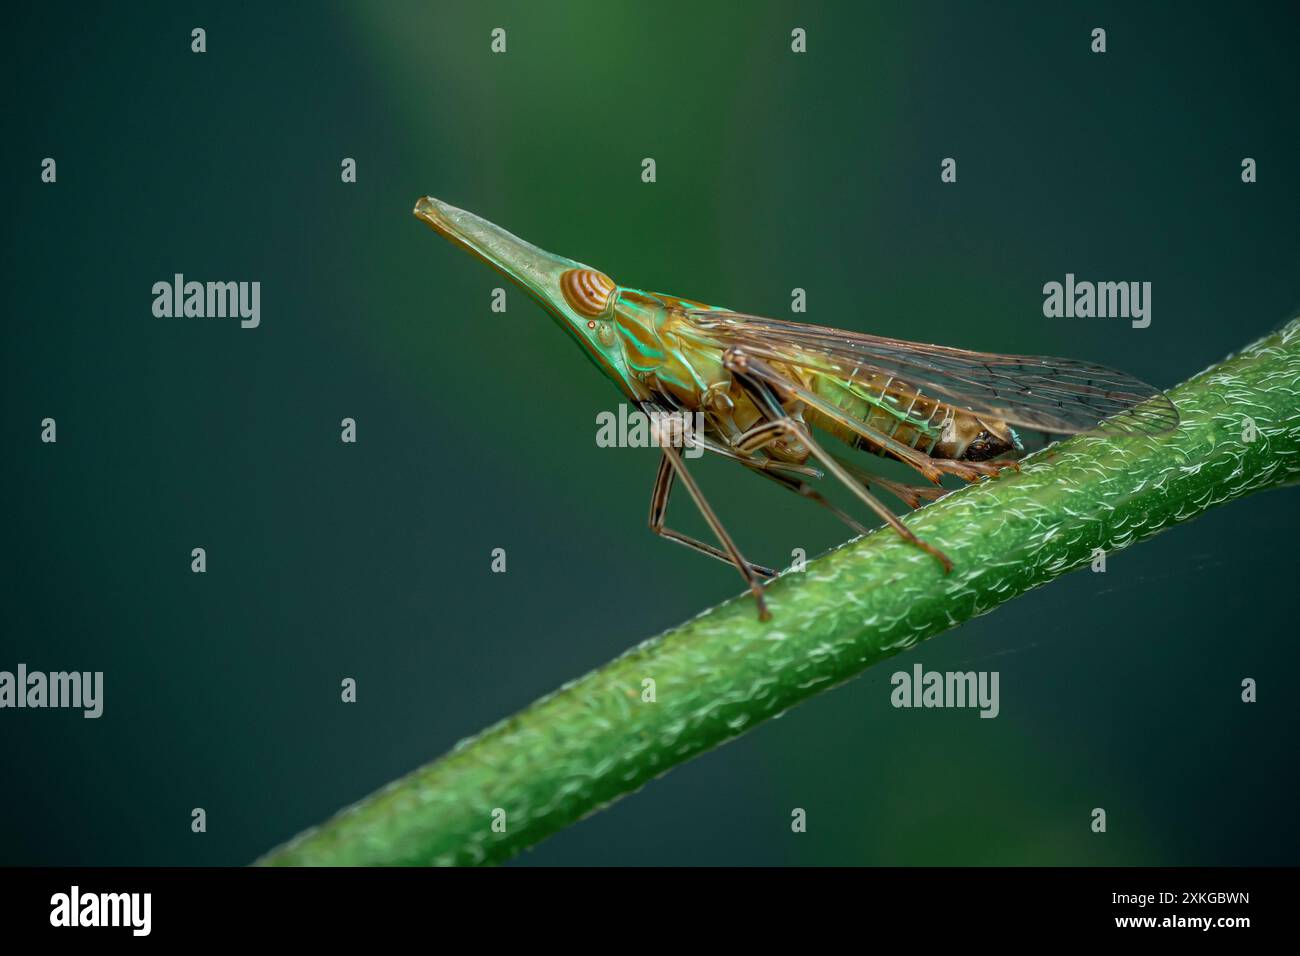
534,270
513,257
575,294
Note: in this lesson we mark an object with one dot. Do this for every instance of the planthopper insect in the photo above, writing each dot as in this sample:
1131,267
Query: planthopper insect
761,386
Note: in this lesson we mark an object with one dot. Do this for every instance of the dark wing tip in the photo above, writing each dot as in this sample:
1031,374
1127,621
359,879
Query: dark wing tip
1157,415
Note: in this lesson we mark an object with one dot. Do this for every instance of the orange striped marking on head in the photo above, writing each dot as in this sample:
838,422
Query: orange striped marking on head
587,291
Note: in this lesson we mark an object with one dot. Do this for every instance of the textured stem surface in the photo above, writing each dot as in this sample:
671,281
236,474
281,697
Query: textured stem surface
594,740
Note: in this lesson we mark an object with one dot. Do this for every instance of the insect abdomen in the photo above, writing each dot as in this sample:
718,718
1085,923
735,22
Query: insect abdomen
909,417
884,406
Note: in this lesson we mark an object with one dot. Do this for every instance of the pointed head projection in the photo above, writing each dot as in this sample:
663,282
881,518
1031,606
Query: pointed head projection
579,297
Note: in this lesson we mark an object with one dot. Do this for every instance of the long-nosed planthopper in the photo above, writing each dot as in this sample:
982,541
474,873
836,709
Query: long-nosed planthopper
762,386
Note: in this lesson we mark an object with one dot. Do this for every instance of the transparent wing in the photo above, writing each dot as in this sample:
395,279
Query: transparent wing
1056,395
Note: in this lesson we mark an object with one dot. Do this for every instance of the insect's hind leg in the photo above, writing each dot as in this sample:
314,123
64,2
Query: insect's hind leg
672,466
751,375
787,428
974,470
910,495
808,491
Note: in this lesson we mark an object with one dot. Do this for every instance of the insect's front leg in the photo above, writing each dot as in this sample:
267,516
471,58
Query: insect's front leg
659,512
750,572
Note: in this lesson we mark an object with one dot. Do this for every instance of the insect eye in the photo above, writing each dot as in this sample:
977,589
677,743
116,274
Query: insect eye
587,291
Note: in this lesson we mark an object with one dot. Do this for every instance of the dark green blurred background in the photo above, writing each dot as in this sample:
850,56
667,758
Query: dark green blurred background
477,430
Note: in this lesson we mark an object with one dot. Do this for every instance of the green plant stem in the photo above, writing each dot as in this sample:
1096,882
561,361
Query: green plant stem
595,739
